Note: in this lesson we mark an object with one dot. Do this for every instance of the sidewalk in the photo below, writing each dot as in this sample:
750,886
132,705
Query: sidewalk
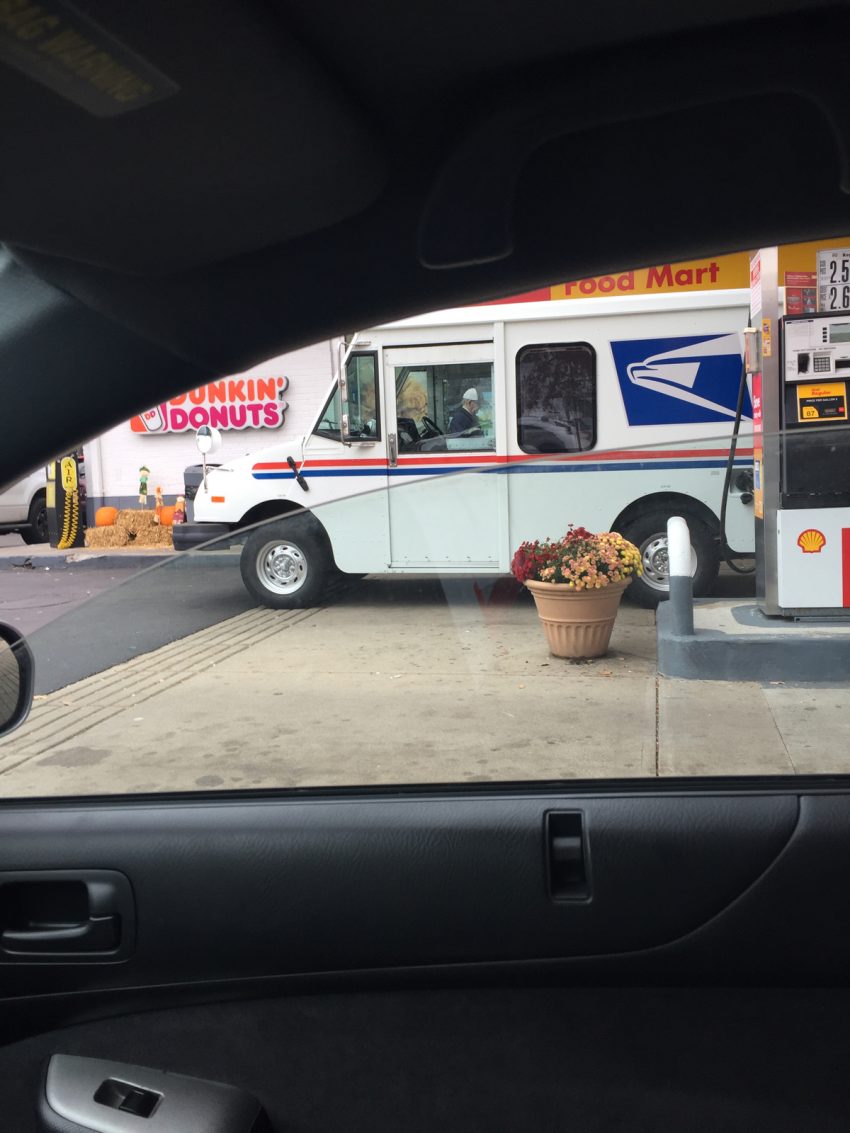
377,691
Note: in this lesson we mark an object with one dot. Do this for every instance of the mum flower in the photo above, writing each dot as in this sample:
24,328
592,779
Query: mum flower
580,559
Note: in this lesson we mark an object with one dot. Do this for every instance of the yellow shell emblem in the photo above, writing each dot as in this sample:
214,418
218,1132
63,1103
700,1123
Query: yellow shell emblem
811,542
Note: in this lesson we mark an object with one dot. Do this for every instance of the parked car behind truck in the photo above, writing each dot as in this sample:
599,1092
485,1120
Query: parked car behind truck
23,508
612,413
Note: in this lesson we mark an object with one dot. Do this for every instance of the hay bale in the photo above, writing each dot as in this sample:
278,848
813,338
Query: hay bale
135,520
156,537
104,537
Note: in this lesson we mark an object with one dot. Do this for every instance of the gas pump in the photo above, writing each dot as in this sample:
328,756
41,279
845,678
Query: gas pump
802,460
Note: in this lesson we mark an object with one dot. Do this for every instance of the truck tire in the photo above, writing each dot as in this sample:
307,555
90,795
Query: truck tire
649,535
285,564
36,529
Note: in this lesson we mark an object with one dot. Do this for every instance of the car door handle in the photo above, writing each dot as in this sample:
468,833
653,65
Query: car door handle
70,916
97,934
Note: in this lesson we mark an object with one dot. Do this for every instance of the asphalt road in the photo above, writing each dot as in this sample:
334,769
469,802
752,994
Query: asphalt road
80,622
30,599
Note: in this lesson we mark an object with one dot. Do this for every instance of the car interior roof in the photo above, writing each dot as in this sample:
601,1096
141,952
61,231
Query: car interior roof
308,169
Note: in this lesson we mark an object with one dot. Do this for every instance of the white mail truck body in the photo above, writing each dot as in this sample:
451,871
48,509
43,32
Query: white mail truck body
446,440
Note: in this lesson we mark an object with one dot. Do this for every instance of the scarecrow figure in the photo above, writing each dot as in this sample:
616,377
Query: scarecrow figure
157,495
144,473
180,510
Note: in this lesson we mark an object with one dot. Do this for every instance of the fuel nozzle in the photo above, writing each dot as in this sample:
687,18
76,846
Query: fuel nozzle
744,484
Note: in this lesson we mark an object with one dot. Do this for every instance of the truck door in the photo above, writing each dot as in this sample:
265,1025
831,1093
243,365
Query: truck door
447,498
345,467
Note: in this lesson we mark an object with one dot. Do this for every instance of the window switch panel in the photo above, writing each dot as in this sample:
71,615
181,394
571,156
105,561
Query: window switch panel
91,1095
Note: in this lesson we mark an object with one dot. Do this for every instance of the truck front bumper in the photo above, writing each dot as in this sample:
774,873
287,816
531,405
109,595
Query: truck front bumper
189,536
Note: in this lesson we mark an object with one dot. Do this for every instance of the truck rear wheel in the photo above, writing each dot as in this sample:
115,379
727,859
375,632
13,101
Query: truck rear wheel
649,535
285,564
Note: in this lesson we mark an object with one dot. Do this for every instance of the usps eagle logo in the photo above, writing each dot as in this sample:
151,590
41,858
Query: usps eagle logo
678,381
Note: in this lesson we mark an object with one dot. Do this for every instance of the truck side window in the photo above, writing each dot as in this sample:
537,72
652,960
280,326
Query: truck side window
556,397
364,413
429,407
362,374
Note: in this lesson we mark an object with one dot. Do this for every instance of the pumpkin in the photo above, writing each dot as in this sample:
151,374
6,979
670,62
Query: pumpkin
105,516
166,515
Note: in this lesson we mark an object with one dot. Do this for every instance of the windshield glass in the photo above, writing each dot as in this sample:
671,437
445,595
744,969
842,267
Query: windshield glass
488,578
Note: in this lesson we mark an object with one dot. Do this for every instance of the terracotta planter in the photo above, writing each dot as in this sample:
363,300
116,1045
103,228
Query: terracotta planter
577,623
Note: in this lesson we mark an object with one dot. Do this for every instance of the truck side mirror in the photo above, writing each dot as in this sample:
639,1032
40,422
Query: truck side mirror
17,679
208,440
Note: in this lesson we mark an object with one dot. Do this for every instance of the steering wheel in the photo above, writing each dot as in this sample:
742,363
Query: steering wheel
433,428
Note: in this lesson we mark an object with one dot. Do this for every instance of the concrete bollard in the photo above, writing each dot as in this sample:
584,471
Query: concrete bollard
681,582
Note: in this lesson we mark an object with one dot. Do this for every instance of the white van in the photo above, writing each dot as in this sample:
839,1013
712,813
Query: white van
612,413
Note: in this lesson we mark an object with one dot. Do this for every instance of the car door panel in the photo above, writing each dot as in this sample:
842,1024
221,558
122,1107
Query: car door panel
234,890
254,896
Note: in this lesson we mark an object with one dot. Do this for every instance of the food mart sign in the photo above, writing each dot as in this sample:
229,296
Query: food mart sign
712,273
228,404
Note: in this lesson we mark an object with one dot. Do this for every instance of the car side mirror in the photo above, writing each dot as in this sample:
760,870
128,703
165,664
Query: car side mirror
17,679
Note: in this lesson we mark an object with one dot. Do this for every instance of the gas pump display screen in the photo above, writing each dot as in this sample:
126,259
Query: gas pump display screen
839,332
823,403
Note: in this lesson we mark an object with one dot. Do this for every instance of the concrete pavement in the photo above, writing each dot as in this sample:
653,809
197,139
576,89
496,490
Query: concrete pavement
406,682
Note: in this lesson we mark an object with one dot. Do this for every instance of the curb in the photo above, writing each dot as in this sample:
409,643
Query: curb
787,654
133,561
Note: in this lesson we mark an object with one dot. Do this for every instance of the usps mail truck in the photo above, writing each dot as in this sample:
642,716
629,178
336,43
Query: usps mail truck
446,440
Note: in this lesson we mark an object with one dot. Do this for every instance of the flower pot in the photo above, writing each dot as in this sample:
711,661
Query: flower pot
577,623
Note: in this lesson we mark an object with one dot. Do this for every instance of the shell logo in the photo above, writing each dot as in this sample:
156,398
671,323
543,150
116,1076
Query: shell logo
812,542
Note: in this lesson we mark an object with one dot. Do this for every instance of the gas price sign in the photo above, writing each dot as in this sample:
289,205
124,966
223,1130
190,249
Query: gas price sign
834,280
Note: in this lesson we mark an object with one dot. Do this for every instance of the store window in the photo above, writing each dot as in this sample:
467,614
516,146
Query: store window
556,398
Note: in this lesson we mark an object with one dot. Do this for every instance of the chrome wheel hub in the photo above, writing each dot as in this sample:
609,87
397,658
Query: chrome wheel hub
281,567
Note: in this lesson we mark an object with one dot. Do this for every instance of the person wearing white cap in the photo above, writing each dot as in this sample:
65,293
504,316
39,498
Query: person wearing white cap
464,417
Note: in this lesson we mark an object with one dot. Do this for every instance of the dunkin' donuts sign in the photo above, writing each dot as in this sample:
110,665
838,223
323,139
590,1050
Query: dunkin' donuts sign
232,403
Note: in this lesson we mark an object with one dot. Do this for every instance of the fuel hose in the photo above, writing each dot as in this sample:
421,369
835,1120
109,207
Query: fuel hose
727,483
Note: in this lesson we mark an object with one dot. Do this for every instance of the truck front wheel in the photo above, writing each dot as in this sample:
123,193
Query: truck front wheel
649,535
285,564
